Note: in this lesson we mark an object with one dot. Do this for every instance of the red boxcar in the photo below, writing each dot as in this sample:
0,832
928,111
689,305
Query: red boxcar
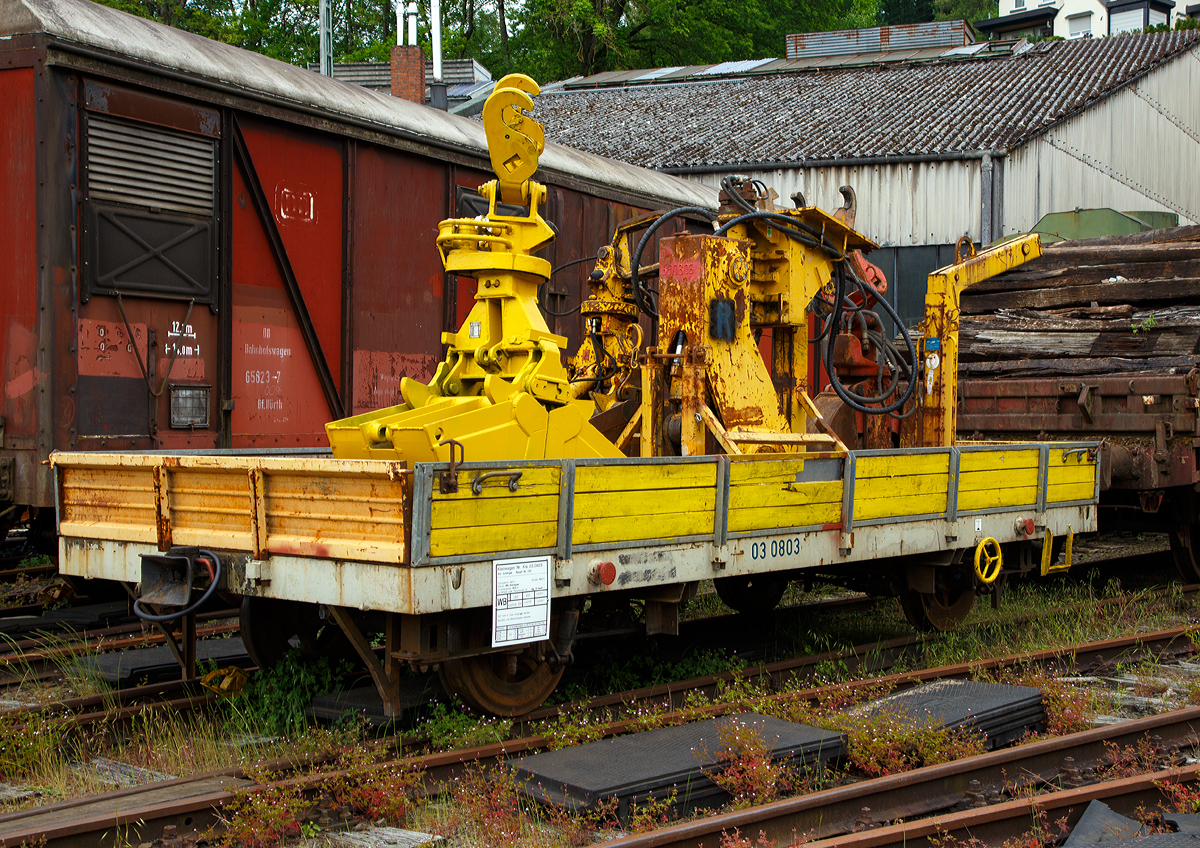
202,247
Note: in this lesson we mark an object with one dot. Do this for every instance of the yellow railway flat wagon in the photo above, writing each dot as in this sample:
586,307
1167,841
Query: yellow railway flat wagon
603,487
433,546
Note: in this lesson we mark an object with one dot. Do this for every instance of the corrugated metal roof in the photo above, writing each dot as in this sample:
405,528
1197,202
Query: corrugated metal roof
876,39
927,108
658,72
378,75
260,78
733,67
374,75
760,67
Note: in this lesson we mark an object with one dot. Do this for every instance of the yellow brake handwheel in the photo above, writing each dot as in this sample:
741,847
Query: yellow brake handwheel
988,561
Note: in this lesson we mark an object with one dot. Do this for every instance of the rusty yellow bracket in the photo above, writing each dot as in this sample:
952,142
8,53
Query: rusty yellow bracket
1048,566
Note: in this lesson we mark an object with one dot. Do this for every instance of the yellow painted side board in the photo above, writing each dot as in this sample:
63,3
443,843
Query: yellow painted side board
493,511
646,504
486,539
533,481
616,478
975,481
866,509
769,471
901,487
800,494
991,498
1071,492
745,519
1071,473
620,529
901,466
1001,458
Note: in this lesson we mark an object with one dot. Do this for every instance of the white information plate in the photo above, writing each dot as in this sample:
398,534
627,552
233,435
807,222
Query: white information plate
520,600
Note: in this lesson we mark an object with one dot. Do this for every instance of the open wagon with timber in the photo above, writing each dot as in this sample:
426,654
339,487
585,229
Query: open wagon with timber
1099,339
520,499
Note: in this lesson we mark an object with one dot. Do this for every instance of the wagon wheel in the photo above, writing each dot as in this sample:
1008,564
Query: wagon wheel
1185,537
494,684
504,684
270,627
942,609
752,592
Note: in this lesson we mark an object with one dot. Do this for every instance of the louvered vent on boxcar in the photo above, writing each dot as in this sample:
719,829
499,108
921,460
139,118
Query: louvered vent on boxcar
150,211
148,166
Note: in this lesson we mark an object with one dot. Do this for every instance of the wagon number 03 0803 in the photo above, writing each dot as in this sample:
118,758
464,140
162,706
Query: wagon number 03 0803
776,548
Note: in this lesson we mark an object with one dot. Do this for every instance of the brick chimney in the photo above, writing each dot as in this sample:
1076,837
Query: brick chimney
408,73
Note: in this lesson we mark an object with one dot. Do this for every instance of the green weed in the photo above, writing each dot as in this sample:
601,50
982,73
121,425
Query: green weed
459,727
274,701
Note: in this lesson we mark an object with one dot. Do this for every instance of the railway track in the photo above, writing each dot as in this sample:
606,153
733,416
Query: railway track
1048,772
192,802
195,805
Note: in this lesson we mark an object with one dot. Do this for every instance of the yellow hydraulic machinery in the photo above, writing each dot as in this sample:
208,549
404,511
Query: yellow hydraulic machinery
935,415
502,391
701,385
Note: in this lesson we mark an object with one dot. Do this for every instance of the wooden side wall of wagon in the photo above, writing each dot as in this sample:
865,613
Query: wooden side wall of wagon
1099,339
491,570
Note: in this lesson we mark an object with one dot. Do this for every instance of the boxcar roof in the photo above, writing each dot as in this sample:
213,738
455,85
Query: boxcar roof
156,46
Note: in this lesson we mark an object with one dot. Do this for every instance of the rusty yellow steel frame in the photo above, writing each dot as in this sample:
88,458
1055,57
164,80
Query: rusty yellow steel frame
785,277
938,347
609,352
714,293
502,391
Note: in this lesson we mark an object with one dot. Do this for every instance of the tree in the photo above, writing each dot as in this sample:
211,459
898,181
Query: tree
965,10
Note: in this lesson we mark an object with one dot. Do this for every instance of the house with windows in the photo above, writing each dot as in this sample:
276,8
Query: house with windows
1078,18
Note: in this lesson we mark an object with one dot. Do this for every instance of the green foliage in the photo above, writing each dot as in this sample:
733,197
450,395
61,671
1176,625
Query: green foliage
263,815
563,38
892,12
36,561
1145,325
548,39
743,766
885,743
274,701
965,10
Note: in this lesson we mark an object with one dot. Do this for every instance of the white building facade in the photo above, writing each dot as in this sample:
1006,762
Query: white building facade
1079,18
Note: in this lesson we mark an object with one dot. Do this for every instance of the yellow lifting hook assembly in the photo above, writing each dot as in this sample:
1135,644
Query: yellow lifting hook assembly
502,392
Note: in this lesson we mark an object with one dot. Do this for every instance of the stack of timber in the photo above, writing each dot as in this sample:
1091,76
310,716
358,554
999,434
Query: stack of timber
1120,304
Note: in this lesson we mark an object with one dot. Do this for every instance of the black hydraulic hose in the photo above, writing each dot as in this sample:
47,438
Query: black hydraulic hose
638,294
174,616
857,402
549,311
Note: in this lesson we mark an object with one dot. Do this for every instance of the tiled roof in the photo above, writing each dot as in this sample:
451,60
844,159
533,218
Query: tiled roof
965,104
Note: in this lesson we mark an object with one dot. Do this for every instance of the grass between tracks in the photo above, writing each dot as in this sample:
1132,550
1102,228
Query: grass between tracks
486,807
